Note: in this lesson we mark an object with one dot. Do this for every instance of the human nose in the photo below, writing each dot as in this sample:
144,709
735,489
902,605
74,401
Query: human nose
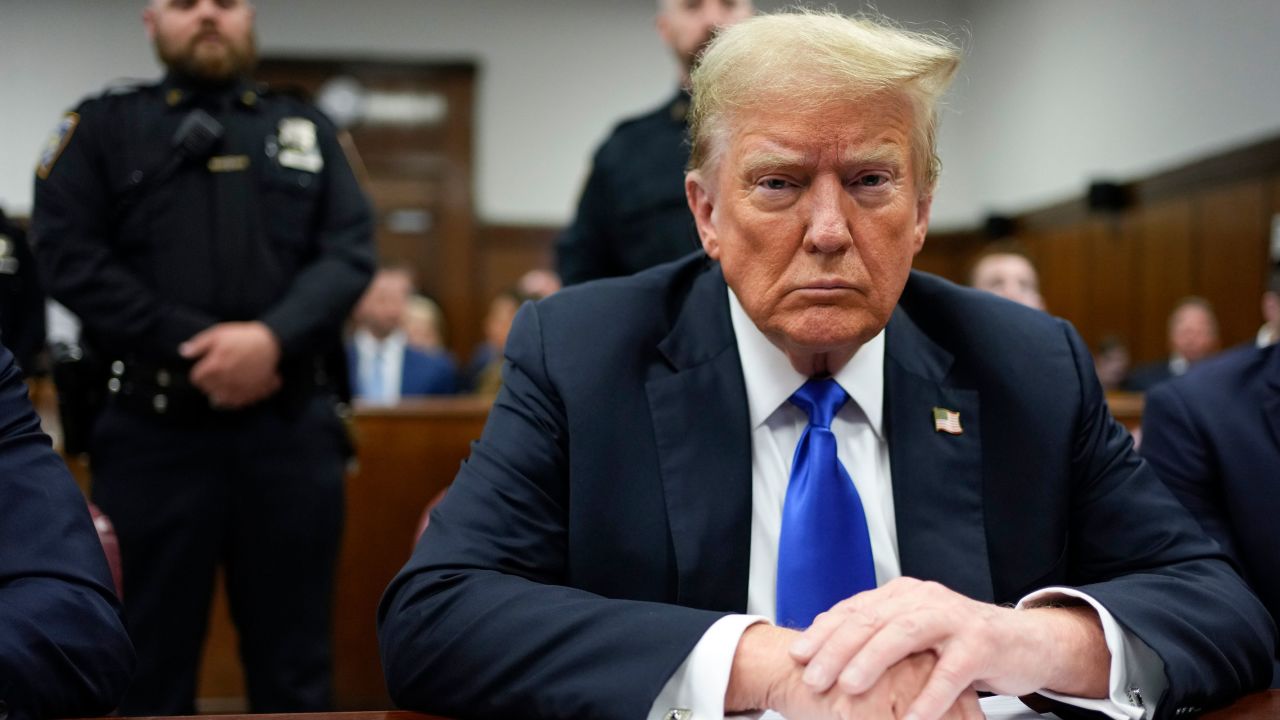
207,10
829,224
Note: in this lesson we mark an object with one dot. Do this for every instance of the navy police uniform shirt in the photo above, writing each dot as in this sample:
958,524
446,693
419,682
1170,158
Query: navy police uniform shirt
151,227
633,214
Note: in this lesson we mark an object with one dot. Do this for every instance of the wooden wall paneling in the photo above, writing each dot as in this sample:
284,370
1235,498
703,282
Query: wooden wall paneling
1164,273
1230,226
1061,256
1112,265
949,254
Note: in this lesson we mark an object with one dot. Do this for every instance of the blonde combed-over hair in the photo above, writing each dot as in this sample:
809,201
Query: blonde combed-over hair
804,59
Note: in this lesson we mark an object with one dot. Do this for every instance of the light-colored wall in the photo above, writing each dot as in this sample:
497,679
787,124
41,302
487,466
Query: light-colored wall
1055,93
1051,94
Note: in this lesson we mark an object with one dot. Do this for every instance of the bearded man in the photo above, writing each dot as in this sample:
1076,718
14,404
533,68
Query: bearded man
212,238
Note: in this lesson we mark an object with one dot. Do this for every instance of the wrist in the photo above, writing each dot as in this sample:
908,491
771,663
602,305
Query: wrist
1070,637
761,668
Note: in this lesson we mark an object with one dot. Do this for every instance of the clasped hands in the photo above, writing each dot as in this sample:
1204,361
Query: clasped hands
918,651
236,363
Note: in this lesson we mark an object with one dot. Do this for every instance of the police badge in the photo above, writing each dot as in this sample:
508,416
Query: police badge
298,147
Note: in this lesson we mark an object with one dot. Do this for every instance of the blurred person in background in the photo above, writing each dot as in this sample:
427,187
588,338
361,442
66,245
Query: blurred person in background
1005,270
384,366
1193,336
1111,362
632,214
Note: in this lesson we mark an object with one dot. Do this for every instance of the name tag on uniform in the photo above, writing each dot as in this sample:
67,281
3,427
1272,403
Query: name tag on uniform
298,147
228,163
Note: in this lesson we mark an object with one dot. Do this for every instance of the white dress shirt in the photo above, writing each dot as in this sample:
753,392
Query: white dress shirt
387,355
699,684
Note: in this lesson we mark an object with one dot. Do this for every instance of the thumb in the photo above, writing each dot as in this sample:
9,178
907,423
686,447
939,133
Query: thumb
197,344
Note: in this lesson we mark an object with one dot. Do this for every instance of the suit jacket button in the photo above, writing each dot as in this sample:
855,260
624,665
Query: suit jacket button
160,403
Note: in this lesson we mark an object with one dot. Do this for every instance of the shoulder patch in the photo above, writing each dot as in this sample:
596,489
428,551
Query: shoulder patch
57,142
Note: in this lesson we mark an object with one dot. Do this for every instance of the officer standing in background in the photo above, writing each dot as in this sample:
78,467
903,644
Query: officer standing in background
21,299
212,238
633,213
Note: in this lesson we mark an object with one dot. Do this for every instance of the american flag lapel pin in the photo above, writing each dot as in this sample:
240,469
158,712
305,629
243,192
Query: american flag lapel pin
947,421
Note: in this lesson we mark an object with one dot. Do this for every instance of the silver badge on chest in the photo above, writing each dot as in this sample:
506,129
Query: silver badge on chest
296,145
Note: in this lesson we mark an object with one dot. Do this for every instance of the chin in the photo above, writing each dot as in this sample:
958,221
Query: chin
827,329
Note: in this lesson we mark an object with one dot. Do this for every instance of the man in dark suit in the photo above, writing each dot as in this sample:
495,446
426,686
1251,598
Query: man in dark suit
1213,436
384,367
796,422
63,647
1193,336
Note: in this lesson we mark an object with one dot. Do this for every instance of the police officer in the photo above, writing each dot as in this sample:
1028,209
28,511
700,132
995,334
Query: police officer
633,214
22,321
212,237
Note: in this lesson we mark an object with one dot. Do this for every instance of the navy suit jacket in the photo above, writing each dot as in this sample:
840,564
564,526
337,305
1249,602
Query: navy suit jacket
1213,436
602,522
63,648
420,373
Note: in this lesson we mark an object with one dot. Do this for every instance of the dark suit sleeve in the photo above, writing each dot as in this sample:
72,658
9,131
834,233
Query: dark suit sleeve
71,237
1143,557
311,312
1176,448
63,648
584,249
484,621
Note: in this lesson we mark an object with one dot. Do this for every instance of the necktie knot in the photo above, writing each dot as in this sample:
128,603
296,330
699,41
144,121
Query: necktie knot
821,400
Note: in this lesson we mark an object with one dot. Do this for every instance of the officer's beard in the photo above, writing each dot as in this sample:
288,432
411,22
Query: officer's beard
213,62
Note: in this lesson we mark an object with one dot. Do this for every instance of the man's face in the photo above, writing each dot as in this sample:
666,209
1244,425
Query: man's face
205,39
1009,276
1192,333
686,26
815,218
382,306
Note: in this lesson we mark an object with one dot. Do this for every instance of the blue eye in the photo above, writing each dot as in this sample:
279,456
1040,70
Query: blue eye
774,184
872,180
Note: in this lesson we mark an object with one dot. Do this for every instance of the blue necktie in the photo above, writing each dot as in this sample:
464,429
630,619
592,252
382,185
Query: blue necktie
824,551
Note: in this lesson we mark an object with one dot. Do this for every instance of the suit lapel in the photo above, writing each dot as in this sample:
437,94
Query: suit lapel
700,419
937,476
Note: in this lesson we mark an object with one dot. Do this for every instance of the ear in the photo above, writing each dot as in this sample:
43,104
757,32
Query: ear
923,205
698,192
149,21
663,24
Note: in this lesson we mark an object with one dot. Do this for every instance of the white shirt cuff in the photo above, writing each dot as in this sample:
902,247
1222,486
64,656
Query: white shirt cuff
696,689
1136,679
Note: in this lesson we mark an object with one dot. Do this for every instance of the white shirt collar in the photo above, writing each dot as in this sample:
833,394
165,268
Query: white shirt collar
770,379
369,346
